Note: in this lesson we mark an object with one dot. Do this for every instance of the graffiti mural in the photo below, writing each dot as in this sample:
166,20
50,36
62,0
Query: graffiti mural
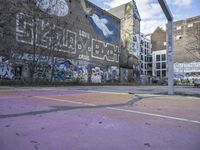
113,74
6,70
103,51
24,29
64,40
43,72
53,7
97,75
84,45
82,74
187,70
64,70
105,26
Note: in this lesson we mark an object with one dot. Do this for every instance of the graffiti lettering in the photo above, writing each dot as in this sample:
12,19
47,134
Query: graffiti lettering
24,29
104,51
43,34
51,36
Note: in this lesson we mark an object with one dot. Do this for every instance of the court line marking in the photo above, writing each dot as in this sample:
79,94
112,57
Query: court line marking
125,110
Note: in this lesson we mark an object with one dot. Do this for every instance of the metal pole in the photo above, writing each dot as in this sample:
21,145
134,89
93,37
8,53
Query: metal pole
170,47
170,58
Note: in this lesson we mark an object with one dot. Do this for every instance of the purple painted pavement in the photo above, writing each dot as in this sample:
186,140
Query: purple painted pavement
27,123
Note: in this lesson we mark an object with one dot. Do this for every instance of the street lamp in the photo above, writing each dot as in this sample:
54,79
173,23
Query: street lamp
170,48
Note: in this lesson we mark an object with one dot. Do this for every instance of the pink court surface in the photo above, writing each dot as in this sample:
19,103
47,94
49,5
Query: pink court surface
64,119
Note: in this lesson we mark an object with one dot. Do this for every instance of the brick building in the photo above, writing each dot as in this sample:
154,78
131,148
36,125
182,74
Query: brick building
63,40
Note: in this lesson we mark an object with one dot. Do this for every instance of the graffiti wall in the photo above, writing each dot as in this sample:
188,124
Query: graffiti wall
187,70
68,70
72,37
73,41
64,70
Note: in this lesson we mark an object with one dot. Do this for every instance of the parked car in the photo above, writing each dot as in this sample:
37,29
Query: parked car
196,82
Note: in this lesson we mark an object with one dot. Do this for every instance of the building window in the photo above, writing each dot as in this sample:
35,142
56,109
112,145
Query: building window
141,65
163,65
142,57
141,50
145,58
157,57
145,51
164,73
178,28
190,25
158,73
149,59
157,65
163,57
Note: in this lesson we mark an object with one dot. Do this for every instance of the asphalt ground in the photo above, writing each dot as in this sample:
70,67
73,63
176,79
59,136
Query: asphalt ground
75,119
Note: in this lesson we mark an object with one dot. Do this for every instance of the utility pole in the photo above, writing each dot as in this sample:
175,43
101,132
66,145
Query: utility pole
170,48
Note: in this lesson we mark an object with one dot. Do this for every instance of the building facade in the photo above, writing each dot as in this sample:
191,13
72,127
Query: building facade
159,64
130,36
187,40
145,59
186,48
63,40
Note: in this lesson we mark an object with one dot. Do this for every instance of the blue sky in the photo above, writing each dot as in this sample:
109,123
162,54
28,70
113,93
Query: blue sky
151,12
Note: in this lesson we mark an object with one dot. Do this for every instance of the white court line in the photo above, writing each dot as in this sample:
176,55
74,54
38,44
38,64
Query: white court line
119,93
124,110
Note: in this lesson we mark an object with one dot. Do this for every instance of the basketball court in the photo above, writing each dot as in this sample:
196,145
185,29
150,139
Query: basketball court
51,118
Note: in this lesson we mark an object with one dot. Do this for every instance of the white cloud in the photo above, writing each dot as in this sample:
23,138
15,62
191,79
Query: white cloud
181,3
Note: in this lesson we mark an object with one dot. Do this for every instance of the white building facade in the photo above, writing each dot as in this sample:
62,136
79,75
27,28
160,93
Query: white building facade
159,63
145,58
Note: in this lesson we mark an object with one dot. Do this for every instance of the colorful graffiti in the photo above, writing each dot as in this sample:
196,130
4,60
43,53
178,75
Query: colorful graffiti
82,74
6,70
63,70
97,75
53,7
187,70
